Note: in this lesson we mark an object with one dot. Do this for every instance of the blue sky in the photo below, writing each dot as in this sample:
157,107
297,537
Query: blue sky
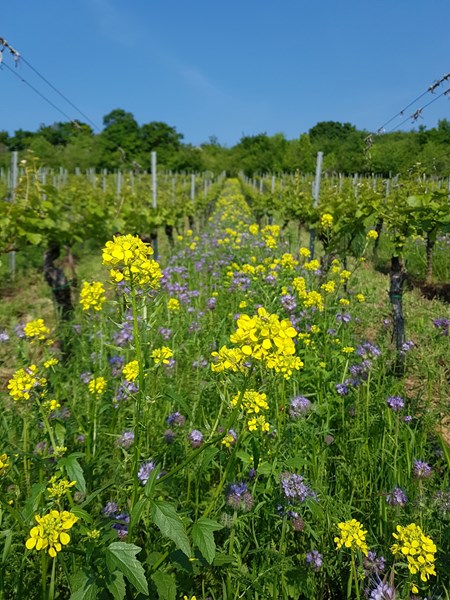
227,69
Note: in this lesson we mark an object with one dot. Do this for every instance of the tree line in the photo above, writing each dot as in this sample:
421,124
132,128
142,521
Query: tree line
124,144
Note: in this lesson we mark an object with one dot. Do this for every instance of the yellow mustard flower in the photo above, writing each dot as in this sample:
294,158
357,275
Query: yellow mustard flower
372,234
4,464
51,362
50,533
92,295
162,355
418,549
59,487
36,330
131,370
24,382
353,536
97,386
326,221
131,260
173,304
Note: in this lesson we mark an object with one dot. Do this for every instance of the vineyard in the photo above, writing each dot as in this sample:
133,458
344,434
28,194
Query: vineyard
222,388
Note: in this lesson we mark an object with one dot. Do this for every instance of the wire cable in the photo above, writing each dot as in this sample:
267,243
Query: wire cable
418,112
38,93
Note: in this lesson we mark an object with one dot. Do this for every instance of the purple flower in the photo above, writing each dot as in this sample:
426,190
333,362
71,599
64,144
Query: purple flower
441,500
397,497
211,303
395,403
145,471
121,525
343,317
407,418
176,418
125,440
314,559
124,335
196,438
4,337
373,564
86,377
443,325
368,350
239,498
201,363
165,333
383,591
20,331
116,363
124,391
342,389
288,302
299,406
421,470
295,489
169,436
408,346
110,509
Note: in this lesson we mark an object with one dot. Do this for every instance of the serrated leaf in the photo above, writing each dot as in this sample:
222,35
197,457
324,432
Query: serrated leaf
136,513
74,472
84,587
116,585
203,537
165,585
170,525
122,556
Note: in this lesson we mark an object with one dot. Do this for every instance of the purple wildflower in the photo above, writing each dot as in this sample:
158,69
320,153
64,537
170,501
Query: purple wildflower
110,509
176,418
343,317
299,406
124,335
165,332
196,438
116,363
373,564
121,525
395,403
20,331
124,391
421,470
342,389
169,436
288,302
86,377
443,325
368,350
211,303
383,591
314,560
125,440
239,498
145,471
408,346
295,489
4,337
397,497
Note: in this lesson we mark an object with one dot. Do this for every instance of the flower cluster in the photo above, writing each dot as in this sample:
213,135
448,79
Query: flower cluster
97,386
262,337
4,464
417,548
23,382
352,535
36,330
253,403
162,355
130,259
239,498
59,488
51,532
295,489
131,370
326,221
92,295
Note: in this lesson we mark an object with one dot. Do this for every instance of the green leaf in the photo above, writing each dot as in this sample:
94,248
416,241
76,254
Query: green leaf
60,433
33,238
74,472
116,585
122,556
165,585
170,524
136,513
151,481
203,537
84,586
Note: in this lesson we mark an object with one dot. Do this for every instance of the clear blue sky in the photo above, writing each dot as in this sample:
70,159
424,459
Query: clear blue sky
227,68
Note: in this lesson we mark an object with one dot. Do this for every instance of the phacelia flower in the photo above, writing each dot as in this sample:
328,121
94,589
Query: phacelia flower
299,406
92,295
125,440
196,438
239,498
314,560
50,533
397,497
421,470
395,403
295,489
353,536
145,471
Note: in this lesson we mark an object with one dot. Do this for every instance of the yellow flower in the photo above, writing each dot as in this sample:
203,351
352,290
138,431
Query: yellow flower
345,275
92,295
253,229
417,548
372,234
36,330
312,265
51,405
162,355
252,401
347,349
24,382
173,304
186,598
328,287
51,532
51,362
131,370
243,304
60,487
256,422
360,297
4,464
94,534
130,259
304,252
352,536
97,386
326,221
